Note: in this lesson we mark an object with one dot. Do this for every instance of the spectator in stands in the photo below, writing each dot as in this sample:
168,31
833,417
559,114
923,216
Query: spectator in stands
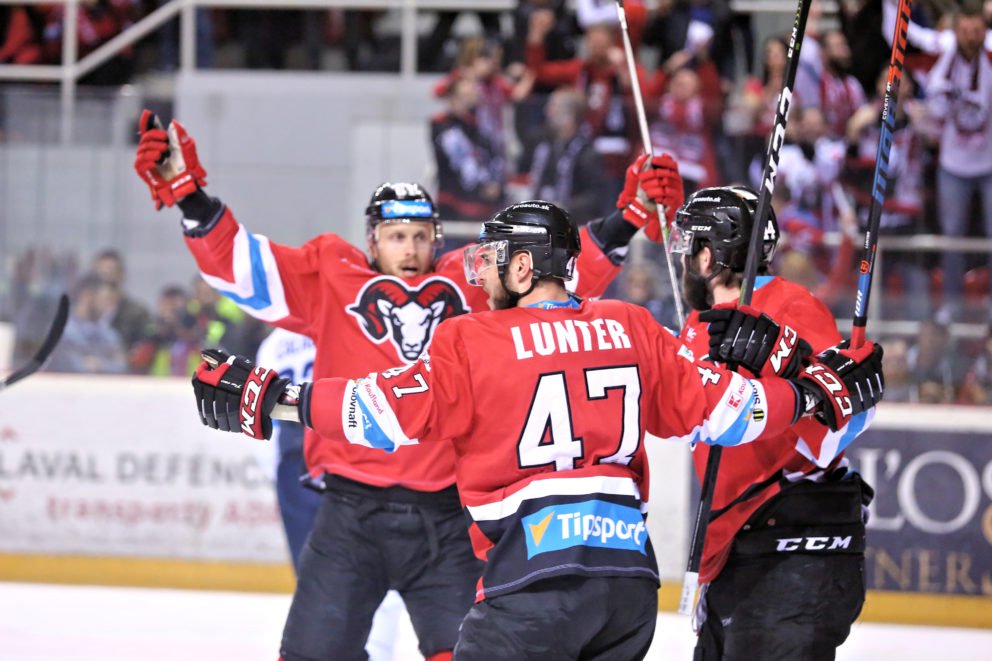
471,177
674,21
174,341
437,52
959,93
127,316
933,364
89,344
559,40
594,12
214,314
902,212
804,258
684,126
899,385
566,169
976,387
831,87
479,58
222,323
603,77
640,284
559,44
809,164
759,98
38,279
99,21
20,34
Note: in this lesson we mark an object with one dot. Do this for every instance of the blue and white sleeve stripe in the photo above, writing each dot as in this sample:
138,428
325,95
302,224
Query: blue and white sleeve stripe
367,418
255,284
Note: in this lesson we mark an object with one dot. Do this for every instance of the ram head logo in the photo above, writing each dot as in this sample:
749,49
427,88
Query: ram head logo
386,308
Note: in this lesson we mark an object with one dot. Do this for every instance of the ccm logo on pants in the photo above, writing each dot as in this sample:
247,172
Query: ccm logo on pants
813,543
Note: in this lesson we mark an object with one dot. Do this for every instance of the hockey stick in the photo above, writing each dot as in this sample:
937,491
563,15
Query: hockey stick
54,335
642,121
881,181
690,582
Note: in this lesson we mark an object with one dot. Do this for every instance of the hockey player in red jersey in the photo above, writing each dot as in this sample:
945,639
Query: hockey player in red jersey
385,522
783,561
547,400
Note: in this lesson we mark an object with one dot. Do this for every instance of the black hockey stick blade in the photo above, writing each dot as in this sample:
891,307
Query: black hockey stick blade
47,347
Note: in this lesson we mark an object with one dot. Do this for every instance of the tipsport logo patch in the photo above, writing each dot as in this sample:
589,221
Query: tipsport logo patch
407,209
590,523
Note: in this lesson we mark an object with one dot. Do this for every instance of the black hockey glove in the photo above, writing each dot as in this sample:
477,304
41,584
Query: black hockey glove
843,382
748,337
232,394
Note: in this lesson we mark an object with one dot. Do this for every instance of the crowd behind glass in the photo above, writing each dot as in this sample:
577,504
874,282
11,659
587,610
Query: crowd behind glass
538,103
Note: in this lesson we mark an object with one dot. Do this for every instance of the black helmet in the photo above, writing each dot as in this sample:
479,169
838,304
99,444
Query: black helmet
402,202
543,229
723,217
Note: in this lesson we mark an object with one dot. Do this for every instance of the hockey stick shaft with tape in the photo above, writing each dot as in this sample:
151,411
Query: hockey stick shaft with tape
776,140
642,122
880,183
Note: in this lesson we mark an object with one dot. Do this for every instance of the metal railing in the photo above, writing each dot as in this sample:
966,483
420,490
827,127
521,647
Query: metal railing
71,70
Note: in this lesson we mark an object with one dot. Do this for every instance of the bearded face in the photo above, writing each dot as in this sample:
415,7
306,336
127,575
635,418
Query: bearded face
695,286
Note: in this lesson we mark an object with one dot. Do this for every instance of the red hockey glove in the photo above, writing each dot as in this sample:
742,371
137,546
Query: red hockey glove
843,382
234,395
166,161
634,211
631,176
662,183
746,336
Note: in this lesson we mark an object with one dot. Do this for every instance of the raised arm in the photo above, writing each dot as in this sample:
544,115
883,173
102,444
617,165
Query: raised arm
274,283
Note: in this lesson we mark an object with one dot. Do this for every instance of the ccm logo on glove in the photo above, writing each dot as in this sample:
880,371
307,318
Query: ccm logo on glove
832,385
250,399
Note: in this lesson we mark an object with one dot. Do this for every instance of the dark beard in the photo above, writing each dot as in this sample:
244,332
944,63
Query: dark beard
839,68
695,291
501,301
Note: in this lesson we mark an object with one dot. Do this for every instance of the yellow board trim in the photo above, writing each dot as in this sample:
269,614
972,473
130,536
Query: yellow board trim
881,605
147,572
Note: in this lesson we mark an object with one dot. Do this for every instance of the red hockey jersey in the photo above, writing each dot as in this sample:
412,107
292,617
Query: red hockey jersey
799,453
360,320
548,410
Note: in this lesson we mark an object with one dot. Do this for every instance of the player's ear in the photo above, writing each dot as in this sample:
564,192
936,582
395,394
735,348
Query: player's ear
705,256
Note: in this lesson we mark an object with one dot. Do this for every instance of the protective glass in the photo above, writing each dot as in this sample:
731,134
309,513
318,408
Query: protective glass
484,256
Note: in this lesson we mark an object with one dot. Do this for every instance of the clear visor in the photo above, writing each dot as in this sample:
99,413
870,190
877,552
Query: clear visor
482,256
680,241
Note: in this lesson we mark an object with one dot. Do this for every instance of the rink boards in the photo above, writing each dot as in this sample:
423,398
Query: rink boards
112,480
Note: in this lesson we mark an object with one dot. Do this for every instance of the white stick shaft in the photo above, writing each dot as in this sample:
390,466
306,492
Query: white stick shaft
642,121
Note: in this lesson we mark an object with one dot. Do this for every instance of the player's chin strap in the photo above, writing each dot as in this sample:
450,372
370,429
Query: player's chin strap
514,296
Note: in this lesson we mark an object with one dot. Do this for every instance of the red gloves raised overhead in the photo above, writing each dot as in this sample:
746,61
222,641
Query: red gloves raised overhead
166,161
656,179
